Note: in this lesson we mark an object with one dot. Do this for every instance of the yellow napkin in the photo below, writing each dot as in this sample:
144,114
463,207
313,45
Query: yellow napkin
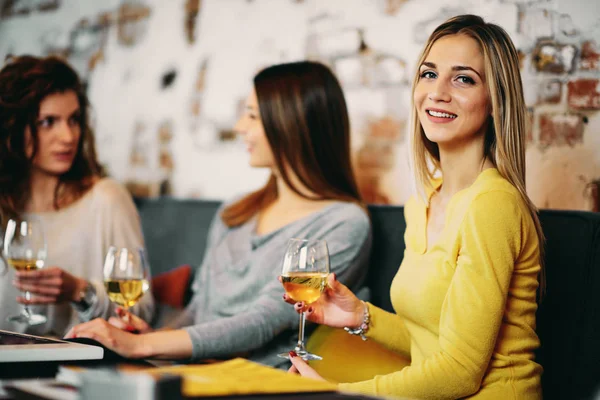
240,376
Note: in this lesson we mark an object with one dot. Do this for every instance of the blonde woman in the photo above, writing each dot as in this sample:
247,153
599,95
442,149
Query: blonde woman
465,294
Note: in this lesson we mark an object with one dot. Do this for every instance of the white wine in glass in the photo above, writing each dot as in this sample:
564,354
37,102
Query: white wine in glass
25,250
304,286
304,277
126,276
125,292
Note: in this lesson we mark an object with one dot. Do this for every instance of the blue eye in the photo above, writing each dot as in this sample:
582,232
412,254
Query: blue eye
428,75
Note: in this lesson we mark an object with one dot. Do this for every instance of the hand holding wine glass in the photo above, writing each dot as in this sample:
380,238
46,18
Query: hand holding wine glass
50,285
126,276
337,307
25,250
129,322
304,275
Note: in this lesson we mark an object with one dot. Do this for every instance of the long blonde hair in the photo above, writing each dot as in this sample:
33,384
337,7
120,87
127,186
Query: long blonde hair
505,136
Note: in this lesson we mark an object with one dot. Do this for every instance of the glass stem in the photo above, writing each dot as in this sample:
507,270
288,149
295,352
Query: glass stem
300,346
126,312
26,310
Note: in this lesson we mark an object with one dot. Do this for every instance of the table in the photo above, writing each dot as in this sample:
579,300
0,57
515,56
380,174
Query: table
41,375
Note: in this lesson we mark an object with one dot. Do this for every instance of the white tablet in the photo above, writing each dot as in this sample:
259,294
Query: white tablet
19,347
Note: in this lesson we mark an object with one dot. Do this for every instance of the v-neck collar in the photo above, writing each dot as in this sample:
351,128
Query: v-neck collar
423,245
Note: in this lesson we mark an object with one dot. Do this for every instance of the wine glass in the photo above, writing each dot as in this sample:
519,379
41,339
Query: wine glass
25,250
126,275
304,276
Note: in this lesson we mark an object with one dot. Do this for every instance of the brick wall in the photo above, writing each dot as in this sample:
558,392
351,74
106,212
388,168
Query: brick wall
168,78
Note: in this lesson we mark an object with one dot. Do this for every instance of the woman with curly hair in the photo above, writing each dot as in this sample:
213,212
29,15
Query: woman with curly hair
49,170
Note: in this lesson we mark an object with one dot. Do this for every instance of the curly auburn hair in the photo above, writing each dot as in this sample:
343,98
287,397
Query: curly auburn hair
24,83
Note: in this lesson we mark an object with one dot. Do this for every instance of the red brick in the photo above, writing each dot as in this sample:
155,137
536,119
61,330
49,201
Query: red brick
594,193
550,92
370,189
132,21
549,56
377,154
584,94
192,8
561,129
590,57
386,127
529,126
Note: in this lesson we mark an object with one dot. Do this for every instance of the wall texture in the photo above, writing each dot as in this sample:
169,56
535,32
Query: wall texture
167,79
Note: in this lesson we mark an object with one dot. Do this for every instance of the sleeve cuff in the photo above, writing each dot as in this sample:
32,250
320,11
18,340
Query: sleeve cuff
197,343
100,305
364,387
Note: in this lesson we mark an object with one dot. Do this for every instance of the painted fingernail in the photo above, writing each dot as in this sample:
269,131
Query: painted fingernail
334,276
284,297
131,329
293,354
310,309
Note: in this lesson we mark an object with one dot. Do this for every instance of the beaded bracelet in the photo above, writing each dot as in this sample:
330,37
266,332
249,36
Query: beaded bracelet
364,327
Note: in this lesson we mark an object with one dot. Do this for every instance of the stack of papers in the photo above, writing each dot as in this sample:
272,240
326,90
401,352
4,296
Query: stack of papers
240,376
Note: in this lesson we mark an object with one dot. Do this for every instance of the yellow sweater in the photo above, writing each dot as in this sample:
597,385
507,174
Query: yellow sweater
465,306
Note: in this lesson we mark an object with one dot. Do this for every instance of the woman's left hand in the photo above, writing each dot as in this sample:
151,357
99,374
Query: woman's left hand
48,285
299,366
126,344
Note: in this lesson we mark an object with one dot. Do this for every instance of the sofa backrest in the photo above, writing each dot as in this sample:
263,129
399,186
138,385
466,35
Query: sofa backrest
175,231
387,252
568,318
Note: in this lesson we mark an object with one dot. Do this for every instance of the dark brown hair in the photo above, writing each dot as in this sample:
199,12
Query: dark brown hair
24,83
304,114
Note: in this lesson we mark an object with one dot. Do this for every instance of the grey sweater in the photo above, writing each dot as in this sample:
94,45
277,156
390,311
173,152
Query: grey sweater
237,305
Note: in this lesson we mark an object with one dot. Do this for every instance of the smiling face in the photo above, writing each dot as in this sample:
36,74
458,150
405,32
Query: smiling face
58,133
251,128
451,95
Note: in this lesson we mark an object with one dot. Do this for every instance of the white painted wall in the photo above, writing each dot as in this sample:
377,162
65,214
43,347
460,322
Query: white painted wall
238,37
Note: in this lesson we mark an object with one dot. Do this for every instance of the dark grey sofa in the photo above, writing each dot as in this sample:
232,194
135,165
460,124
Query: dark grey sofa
568,318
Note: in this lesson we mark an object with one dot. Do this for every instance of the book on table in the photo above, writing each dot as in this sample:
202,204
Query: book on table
233,377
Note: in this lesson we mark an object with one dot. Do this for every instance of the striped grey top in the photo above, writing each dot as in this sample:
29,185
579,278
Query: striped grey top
237,305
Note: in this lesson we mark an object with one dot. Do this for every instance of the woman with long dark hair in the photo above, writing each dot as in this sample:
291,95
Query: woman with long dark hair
296,124
49,170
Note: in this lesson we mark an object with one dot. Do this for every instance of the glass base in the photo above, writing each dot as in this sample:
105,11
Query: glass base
305,355
31,319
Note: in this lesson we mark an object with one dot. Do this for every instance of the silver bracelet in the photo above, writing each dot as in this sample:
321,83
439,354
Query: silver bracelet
364,327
